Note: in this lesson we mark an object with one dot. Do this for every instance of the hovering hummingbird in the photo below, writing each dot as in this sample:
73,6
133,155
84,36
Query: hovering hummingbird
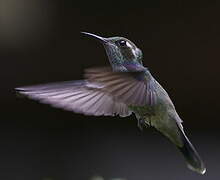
124,88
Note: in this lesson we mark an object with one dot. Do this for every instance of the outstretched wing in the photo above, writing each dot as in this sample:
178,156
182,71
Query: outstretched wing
104,92
77,96
131,88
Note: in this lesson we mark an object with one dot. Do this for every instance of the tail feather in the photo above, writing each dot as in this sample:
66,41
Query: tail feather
194,162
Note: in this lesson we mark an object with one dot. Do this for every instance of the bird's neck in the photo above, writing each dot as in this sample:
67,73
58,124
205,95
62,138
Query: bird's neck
128,67
121,65
134,66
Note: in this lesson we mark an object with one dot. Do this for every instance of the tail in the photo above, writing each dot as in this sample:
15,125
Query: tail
194,162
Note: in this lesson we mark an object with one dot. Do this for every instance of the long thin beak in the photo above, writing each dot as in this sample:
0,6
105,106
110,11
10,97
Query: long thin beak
103,40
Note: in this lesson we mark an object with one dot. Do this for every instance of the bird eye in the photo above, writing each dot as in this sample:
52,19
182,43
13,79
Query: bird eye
121,43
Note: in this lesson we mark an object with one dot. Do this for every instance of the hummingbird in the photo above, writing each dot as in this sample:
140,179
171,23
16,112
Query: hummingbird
124,88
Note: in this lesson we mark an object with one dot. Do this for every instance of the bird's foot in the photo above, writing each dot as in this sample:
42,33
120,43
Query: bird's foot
141,123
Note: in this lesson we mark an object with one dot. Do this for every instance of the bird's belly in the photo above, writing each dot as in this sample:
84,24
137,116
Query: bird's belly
159,118
143,111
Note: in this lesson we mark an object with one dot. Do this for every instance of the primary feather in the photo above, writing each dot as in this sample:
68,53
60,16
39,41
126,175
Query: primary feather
77,96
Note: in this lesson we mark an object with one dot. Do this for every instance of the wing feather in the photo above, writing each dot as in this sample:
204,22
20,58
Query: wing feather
131,88
78,96
104,92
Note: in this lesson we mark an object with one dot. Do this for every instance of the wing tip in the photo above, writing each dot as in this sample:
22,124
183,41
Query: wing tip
19,92
18,89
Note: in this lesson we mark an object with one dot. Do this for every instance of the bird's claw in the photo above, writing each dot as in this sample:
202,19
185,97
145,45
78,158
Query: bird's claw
141,124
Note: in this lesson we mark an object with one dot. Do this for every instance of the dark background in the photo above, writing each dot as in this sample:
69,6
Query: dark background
40,42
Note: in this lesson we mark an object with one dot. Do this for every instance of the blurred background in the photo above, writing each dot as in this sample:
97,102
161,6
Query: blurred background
40,42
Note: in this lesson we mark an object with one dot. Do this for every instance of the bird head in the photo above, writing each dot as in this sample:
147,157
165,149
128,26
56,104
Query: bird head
123,54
